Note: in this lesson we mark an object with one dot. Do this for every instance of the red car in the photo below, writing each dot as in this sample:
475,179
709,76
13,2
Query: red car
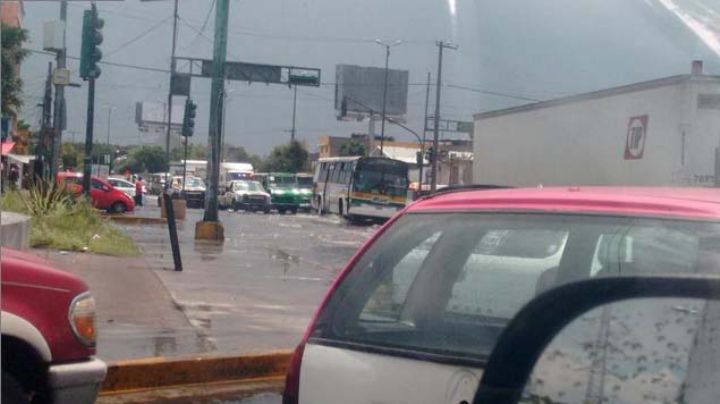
102,194
48,334
419,308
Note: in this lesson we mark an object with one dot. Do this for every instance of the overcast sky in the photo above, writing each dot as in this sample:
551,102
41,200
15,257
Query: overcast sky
536,49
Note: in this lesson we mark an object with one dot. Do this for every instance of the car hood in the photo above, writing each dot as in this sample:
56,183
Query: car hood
21,268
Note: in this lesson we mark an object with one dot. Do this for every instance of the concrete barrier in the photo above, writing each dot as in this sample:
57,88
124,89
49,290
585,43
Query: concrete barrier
155,373
130,219
14,230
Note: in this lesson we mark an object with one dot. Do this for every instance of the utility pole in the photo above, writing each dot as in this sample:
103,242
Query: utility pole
213,229
59,118
169,101
385,88
45,138
436,127
292,131
422,145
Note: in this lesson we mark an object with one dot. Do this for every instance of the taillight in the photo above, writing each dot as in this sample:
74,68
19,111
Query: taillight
291,395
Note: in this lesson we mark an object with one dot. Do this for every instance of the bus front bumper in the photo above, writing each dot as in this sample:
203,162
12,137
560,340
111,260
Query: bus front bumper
373,210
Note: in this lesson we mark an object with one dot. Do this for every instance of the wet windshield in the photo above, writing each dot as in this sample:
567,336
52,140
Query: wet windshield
301,128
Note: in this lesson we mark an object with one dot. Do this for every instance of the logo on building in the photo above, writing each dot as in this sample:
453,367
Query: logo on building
636,134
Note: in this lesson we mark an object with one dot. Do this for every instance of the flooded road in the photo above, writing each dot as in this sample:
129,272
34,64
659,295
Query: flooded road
256,291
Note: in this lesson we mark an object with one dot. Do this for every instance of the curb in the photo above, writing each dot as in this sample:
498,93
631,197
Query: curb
152,373
125,219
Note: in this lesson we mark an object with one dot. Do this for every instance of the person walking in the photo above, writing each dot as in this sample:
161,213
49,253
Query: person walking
138,191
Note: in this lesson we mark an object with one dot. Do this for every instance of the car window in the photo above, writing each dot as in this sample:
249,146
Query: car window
448,283
240,186
95,184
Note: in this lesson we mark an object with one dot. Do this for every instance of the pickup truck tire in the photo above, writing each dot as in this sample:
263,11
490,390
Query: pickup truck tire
118,207
12,391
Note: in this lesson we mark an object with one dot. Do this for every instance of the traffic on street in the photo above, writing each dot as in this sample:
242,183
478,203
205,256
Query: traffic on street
426,201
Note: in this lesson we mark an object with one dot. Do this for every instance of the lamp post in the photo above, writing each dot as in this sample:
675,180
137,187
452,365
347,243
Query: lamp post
387,46
110,109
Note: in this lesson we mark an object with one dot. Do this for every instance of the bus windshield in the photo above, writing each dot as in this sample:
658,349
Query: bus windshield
382,177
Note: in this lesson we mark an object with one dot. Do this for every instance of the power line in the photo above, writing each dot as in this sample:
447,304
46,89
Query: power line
495,93
126,65
139,36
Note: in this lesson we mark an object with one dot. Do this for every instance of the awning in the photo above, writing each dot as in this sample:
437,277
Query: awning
7,147
20,158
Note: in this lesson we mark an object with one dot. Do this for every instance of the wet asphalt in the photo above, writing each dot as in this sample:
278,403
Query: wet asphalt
256,291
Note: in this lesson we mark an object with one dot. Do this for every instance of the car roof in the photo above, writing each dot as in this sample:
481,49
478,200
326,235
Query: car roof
700,203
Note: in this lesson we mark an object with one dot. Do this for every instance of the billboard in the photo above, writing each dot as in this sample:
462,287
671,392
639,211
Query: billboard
362,89
155,112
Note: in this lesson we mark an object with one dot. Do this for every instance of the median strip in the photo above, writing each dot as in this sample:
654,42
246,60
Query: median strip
152,373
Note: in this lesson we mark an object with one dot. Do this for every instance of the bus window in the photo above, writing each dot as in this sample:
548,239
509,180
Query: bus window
334,174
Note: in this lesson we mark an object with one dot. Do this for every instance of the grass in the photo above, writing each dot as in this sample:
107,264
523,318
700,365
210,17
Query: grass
67,224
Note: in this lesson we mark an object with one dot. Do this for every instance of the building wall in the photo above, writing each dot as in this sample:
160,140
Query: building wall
583,142
11,12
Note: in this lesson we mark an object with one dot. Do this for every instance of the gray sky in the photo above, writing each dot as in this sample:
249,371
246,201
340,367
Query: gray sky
537,49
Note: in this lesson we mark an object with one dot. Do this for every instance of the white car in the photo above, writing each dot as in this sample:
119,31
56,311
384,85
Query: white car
123,185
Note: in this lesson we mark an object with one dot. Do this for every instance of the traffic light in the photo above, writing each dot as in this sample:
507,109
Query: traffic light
429,154
189,119
90,54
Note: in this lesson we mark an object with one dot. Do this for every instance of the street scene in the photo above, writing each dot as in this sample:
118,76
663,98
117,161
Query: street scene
427,201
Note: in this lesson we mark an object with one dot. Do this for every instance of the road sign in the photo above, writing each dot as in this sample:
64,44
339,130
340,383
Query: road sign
257,73
449,125
61,77
180,84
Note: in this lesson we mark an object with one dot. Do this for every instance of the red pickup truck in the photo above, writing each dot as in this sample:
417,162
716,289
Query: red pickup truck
48,334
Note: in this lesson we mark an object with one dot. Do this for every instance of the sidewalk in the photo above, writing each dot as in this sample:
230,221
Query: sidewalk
136,315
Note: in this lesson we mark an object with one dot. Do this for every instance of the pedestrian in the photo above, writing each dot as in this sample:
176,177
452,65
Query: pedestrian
138,191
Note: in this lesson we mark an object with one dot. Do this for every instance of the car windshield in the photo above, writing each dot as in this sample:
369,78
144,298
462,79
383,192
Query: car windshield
252,186
448,283
194,182
281,181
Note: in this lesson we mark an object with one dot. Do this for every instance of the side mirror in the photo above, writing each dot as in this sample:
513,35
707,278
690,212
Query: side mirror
656,356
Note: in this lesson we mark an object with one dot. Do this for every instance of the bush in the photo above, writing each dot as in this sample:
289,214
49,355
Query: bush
62,222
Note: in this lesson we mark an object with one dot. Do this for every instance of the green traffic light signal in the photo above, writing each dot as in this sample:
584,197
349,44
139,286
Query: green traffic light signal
189,118
90,54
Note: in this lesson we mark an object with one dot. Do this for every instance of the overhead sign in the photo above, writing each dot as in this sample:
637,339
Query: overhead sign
258,73
362,90
636,135
180,84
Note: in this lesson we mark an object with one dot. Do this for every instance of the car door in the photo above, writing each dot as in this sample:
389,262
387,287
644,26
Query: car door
100,194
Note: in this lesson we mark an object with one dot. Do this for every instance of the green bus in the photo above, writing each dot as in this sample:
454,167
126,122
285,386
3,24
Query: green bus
285,193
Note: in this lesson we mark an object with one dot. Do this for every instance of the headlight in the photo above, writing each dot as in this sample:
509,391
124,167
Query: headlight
296,191
277,191
82,318
305,191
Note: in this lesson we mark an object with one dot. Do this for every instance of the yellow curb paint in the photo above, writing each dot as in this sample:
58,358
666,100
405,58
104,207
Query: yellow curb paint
149,373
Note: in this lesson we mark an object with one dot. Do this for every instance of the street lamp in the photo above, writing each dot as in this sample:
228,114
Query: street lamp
387,46
110,109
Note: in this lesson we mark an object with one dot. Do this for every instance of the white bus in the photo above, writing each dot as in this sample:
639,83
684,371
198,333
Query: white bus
360,188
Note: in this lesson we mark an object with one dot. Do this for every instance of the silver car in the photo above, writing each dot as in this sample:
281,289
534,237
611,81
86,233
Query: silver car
245,195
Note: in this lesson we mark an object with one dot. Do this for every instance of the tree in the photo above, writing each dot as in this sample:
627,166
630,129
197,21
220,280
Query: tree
12,55
353,148
195,152
292,157
143,159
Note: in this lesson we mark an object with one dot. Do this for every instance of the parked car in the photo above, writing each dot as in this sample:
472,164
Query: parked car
125,186
194,192
418,310
102,194
245,195
48,334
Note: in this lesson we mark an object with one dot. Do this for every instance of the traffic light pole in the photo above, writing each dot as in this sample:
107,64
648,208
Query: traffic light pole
169,102
210,227
87,163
